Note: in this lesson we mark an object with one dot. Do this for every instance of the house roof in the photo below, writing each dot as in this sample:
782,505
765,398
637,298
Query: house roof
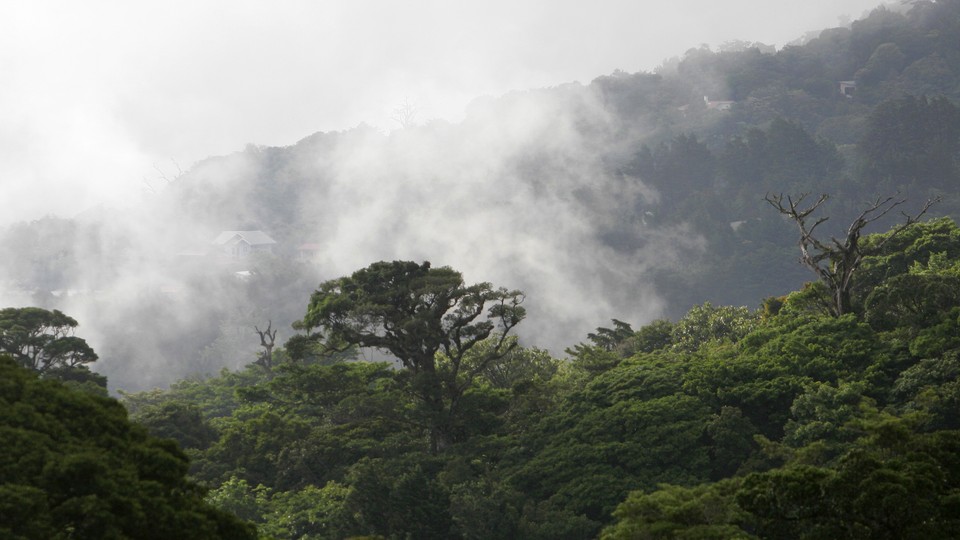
254,238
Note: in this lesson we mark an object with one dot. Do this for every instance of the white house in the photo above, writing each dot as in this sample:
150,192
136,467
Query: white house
718,105
307,252
848,88
240,244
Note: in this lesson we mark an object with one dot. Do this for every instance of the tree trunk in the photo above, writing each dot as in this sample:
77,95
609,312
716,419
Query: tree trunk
842,301
430,388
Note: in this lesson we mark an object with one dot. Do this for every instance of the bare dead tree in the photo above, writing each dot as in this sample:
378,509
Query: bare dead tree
835,261
162,175
406,114
267,339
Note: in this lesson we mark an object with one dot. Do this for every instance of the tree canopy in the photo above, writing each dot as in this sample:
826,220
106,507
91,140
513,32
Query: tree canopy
428,319
42,340
73,466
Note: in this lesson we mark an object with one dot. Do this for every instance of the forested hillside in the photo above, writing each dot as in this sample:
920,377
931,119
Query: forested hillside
786,421
613,337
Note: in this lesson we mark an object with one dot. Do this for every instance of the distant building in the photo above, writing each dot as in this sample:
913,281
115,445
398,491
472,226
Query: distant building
718,105
243,275
306,252
848,88
240,244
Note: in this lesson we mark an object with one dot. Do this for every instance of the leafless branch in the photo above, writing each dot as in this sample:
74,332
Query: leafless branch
405,114
163,174
908,221
267,339
835,264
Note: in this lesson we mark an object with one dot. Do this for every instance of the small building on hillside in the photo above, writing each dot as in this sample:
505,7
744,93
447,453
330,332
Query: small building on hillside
848,88
718,105
308,251
240,244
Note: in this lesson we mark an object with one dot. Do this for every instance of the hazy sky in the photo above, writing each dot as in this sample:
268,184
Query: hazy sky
94,95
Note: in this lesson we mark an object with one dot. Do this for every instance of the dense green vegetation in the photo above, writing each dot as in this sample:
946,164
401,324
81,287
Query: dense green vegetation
43,341
814,415
74,466
784,422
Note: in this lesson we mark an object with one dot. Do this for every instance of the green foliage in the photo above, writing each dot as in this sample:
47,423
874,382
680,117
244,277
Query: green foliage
731,442
43,341
73,466
826,348
649,338
772,365
418,310
913,142
824,413
611,338
932,388
726,424
925,289
913,300
485,509
415,313
921,243
700,512
608,346
545,521
394,499
237,497
937,339
180,421
252,441
706,323
812,300
309,513
891,483
520,366
592,359
676,168
595,454
761,160
894,484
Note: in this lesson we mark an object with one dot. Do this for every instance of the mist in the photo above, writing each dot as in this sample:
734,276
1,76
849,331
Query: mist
109,127
95,96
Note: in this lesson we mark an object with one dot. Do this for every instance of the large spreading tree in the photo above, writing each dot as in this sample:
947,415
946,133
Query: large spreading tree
429,320
43,341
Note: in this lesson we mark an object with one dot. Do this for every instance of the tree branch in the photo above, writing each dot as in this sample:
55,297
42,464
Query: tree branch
843,257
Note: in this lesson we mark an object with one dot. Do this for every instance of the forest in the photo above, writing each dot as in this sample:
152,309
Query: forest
757,396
